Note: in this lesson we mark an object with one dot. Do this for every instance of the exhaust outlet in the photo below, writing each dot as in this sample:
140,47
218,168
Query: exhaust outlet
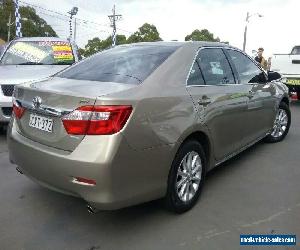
20,172
91,209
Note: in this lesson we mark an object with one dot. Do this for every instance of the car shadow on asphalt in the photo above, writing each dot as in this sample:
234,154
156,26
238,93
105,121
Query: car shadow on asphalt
3,130
235,161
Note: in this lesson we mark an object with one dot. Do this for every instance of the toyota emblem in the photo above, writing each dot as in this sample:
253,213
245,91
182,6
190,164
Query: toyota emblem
36,102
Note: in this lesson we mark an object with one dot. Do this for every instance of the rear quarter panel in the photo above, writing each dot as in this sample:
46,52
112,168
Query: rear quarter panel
163,111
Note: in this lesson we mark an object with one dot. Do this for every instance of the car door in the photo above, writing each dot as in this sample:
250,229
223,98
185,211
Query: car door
261,95
218,99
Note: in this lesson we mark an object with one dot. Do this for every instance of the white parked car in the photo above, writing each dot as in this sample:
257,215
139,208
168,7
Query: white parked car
31,59
288,65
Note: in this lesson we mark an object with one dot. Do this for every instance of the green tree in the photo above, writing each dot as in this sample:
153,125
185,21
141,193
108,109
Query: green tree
32,24
146,33
201,35
96,44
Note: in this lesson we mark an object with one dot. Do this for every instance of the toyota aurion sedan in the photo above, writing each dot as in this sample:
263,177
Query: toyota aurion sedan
145,121
30,59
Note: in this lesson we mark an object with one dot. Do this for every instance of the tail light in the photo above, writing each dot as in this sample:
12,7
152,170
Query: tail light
18,109
96,120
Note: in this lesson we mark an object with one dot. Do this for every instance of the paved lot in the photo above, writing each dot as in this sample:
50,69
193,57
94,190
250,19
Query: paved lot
257,192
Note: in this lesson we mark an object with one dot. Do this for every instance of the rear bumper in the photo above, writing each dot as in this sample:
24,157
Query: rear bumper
5,108
124,176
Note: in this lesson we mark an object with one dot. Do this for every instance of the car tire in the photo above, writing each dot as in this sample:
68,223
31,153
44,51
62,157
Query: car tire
1,129
281,125
186,177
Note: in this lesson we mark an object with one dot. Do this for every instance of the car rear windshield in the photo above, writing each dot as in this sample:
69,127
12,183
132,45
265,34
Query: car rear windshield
38,53
124,64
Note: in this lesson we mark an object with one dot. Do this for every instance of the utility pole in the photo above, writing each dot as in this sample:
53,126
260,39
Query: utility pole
113,19
8,26
75,29
245,32
246,27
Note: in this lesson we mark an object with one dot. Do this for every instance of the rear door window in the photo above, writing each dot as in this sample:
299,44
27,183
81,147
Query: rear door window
195,77
124,64
248,71
215,67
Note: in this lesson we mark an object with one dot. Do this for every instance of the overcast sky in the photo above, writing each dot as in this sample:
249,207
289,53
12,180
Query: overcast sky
277,31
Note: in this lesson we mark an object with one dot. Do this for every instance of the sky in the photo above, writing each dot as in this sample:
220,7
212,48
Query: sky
277,31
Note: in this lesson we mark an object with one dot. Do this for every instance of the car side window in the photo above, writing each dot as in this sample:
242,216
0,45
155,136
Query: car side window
195,76
247,70
215,67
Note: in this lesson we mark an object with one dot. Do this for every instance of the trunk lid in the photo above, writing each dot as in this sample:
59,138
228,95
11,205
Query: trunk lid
59,96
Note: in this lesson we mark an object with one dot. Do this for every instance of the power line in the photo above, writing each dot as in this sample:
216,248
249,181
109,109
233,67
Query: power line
67,17
84,23
40,7
61,14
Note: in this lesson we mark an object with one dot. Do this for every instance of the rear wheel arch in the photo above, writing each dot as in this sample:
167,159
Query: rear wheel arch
179,198
204,140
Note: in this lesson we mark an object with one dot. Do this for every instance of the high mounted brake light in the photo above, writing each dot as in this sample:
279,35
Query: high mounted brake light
96,120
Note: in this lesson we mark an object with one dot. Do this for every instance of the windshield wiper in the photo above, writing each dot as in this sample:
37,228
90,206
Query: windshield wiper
30,63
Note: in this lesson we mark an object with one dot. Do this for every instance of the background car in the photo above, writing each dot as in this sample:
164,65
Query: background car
144,121
30,59
1,50
288,65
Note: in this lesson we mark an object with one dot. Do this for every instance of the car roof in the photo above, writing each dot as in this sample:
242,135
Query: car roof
190,44
40,39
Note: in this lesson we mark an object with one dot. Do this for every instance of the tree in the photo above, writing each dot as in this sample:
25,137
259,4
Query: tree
96,44
32,24
146,33
201,35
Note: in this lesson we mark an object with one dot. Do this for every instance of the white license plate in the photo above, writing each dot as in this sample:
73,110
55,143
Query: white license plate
41,123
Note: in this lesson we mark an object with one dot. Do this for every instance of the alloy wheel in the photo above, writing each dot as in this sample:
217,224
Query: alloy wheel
189,176
280,123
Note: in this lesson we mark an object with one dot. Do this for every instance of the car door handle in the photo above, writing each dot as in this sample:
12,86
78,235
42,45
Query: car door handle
204,102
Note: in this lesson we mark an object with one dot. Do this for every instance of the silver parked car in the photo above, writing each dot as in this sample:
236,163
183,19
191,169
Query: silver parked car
144,121
2,47
28,59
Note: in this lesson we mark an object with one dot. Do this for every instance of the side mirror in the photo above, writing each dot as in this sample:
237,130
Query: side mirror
273,76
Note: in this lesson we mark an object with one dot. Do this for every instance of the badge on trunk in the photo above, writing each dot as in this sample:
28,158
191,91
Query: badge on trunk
36,102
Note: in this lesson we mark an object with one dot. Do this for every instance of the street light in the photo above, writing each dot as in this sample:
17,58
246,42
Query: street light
246,27
72,13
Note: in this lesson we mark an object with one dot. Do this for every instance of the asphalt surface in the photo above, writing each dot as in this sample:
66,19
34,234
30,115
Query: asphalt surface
256,192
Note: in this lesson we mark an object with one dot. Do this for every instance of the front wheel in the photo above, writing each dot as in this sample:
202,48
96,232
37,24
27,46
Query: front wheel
281,124
186,177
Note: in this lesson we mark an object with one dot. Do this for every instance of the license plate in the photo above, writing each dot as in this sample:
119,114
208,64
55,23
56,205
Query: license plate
41,123
293,81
